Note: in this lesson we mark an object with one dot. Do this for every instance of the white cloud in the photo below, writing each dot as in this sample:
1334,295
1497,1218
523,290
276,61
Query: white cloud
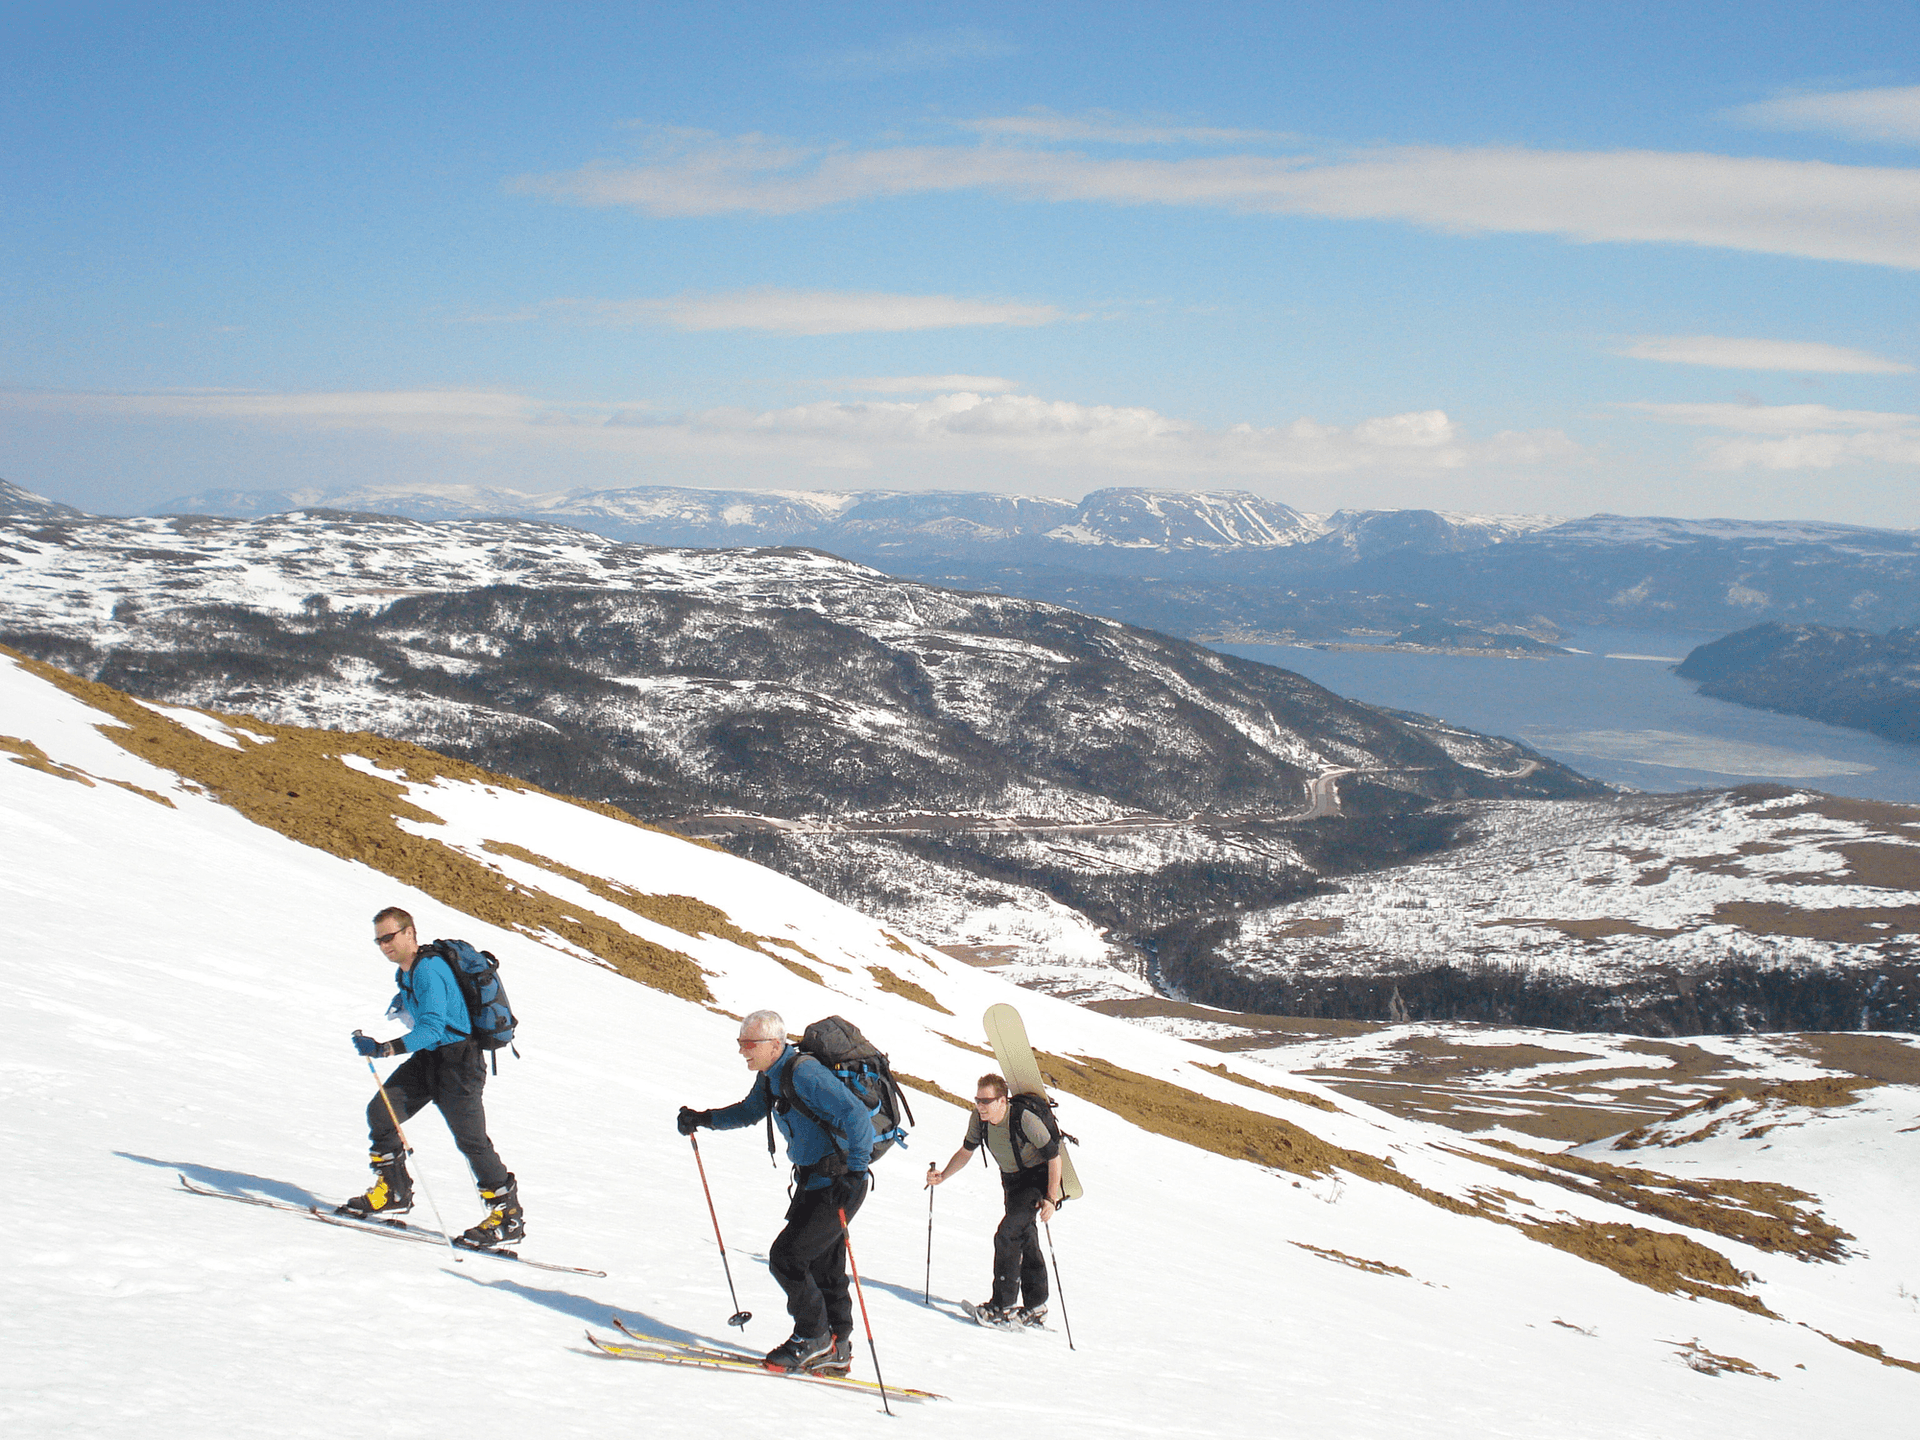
1103,128
1792,207
1728,353
945,433
803,312
1796,437
926,384
1891,114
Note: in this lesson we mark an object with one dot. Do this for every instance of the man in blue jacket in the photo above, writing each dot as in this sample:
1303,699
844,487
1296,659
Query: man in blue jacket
830,1141
444,1066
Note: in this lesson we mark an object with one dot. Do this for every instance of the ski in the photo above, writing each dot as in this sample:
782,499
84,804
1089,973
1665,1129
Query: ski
394,1229
1007,1033
716,1352
700,1357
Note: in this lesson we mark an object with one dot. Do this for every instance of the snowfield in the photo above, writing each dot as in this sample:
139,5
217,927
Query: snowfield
188,948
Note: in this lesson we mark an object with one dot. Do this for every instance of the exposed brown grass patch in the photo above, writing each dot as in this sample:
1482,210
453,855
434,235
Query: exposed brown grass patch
26,753
1867,1348
896,985
1372,1267
292,781
1877,1057
1768,1216
1597,928
929,1087
1828,1090
1853,925
1882,865
1301,1097
1699,1358
966,1045
1308,925
1668,1263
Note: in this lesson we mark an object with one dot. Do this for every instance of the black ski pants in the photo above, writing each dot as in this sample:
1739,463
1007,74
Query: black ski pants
809,1257
452,1077
1019,1269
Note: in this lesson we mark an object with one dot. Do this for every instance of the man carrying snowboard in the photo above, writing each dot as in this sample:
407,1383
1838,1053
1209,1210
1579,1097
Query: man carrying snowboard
444,1066
1023,1140
830,1141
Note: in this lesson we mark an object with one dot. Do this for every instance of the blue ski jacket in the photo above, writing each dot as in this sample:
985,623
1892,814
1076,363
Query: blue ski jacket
807,1143
429,1000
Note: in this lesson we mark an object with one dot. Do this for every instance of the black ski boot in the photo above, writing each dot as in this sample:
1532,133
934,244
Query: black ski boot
803,1352
837,1362
390,1195
504,1221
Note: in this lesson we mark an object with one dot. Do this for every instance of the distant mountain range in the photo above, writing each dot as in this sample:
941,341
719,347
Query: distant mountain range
1230,565
1842,676
982,770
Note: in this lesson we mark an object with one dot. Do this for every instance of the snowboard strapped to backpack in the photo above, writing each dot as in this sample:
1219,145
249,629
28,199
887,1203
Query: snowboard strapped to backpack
856,1064
477,974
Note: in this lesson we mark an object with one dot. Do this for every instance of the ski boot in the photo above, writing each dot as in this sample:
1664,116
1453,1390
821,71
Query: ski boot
999,1317
390,1195
839,1361
504,1222
1031,1317
803,1352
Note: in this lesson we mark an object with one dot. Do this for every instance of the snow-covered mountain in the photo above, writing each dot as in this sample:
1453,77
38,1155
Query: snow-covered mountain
1228,563
981,770
187,951
1755,909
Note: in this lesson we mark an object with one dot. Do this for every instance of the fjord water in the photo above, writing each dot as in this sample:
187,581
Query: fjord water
1616,712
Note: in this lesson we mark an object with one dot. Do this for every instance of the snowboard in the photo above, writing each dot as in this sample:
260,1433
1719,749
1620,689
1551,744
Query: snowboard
1007,1034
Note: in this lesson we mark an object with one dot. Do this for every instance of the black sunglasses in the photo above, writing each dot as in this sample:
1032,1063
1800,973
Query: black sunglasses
390,935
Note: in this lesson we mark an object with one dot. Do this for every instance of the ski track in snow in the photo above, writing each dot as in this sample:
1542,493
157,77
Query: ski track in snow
182,986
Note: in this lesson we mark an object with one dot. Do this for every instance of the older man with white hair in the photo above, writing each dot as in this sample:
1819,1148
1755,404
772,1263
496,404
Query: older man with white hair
830,1142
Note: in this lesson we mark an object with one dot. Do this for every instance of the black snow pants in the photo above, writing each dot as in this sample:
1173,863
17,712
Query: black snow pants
452,1077
1019,1269
809,1257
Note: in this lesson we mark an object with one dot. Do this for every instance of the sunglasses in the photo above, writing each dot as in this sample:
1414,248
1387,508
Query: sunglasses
388,938
987,1099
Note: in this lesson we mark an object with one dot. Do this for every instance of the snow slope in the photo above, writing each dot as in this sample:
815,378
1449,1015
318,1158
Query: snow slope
187,950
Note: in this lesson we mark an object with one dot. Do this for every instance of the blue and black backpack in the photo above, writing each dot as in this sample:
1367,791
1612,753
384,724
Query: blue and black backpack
856,1064
477,974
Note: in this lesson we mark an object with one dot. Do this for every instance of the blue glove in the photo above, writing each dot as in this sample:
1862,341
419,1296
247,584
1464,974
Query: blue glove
377,1049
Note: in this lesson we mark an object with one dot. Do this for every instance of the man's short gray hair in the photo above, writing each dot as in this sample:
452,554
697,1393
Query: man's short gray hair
766,1024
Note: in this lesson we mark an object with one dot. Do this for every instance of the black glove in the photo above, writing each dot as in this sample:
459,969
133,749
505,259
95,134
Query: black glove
377,1049
848,1189
691,1120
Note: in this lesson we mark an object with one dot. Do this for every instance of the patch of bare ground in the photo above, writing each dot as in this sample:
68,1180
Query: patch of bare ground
930,1087
26,753
294,781
1900,821
983,956
1882,865
1851,925
1707,1362
1372,1267
1308,925
1665,1262
1301,1097
897,985
1867,1348
966,1045
1828,1090
1593,929
1877,1057
1768,1216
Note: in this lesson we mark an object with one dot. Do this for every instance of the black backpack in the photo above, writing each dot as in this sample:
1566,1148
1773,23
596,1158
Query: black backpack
489,1014
1040,1105
856,1064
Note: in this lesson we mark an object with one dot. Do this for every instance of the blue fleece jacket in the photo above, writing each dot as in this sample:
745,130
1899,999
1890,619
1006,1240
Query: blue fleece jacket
807,1142
430,1002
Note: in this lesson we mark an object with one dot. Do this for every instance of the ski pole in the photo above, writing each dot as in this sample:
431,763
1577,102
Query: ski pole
926,1294
739,1316
872,1349
426,1189
1058,1289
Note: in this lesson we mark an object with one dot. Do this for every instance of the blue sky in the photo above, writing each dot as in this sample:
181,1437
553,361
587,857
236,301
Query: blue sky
1553,257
